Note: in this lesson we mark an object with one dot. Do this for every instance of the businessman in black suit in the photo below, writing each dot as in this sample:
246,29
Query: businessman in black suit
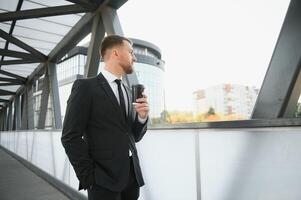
101,127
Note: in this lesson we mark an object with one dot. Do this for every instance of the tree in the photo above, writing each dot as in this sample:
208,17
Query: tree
211,111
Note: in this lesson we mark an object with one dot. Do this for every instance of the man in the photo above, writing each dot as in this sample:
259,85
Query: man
101,127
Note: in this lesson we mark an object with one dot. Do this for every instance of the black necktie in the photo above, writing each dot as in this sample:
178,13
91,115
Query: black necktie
121,98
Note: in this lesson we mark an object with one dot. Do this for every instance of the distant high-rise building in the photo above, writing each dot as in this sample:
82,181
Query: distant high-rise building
226,99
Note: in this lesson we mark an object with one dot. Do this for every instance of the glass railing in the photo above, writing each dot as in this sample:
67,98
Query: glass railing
238,160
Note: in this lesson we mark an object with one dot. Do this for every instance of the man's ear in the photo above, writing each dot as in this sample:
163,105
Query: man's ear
115,52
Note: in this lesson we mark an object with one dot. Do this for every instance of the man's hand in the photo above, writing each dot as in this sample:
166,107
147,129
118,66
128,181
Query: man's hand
142,107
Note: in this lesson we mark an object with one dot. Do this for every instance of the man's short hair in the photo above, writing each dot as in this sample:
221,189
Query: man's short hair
111,41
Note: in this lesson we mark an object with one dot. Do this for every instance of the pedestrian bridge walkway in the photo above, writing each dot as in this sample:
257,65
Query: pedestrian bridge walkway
18,182
252,159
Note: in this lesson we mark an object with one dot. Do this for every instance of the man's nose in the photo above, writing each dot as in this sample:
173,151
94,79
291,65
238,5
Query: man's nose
134,58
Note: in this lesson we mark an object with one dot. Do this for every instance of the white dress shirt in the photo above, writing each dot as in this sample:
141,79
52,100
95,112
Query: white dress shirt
111,80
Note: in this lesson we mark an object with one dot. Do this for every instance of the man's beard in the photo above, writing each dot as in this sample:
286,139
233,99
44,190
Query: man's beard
128,69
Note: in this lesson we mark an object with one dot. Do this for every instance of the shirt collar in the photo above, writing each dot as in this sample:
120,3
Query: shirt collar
109,76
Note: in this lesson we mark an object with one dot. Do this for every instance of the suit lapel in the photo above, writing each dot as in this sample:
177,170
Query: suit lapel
107,88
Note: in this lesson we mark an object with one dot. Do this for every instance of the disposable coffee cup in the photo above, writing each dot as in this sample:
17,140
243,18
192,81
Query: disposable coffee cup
137,92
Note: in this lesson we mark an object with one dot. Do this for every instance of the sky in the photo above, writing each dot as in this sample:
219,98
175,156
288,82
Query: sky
205,42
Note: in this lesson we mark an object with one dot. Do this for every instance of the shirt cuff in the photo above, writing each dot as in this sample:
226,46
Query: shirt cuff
141,120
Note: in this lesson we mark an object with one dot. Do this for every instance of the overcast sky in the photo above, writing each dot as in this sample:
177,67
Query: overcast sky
207,42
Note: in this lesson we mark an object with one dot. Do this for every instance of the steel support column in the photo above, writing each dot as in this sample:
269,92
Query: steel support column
24,111
17,113
2,116
111,21
280,90
30,108
54,91
44,101
10,117
93,55
5,119
112,26
27,121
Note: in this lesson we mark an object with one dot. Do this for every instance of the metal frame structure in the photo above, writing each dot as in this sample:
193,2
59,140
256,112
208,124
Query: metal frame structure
281,87
22,98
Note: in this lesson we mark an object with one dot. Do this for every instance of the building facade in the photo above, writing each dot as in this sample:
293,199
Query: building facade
226,99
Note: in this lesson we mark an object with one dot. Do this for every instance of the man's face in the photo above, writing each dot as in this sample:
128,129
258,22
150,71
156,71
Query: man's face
126,57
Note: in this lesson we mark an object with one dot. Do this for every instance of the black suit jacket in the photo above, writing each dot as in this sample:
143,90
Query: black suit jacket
97,137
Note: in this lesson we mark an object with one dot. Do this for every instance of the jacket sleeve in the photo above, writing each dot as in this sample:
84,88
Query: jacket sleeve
139,129
74,127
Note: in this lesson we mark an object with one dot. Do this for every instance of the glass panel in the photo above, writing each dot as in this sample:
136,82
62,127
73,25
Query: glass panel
2,44
13,47
32,4
22,70
29,33
36,42
9,5
43,25
68,20
10,58
4,76
215,59
5,27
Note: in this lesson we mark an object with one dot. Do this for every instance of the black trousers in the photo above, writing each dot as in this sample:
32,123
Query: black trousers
131,192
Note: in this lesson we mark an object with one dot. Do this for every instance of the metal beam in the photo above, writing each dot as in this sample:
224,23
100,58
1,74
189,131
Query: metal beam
11,80
10,117
22,45
116,3
4,119
27,121
93,55
80,30
293,98
24,111
5,92
1,119
54,91
17,115
12,26
44,101
112,26
12,75
4,100
16,54
43,12
279,92
7,84
17,62
111,21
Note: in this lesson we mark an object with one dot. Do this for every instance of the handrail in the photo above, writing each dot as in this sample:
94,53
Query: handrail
252,123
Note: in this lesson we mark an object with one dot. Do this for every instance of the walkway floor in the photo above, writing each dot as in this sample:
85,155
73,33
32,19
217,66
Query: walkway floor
19,183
